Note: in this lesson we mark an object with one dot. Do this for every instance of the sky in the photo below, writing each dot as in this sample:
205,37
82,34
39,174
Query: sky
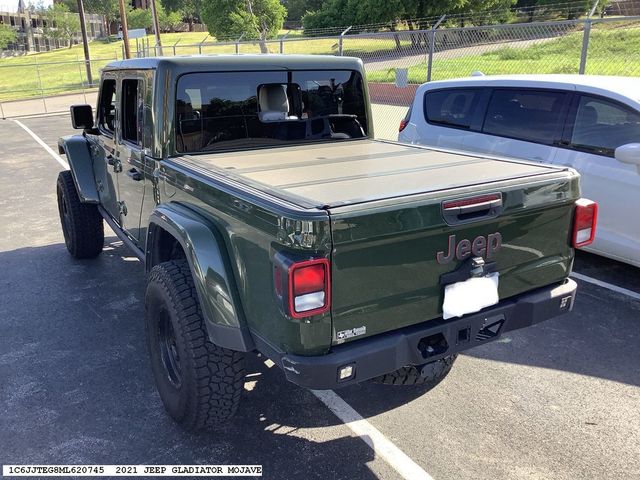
12,5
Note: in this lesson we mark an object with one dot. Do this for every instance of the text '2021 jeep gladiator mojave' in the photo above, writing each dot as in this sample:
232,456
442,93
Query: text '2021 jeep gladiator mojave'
270,221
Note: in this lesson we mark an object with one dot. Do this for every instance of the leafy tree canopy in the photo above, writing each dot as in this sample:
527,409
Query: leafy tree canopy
296,9
7,36
61,23
256,19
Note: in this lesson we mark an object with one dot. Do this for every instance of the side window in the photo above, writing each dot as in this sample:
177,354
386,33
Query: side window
601,126
454,107
529,115
132,111
107,108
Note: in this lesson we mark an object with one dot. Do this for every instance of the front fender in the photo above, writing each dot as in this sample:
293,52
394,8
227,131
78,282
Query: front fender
206,253
79,157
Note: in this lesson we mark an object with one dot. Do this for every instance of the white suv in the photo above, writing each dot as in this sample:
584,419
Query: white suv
589,123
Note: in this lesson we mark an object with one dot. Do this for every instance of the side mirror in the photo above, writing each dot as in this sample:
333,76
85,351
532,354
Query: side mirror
82,117
629,153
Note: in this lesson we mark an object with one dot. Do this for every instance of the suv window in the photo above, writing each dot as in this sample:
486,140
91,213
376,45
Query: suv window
454,107
230,110
107,109
601,126
132,111
528,115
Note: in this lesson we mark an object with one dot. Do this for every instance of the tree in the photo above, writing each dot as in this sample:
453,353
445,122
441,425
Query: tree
7,35
551,9
255,19
61,24
188,9
109,9
169,21
72,5
296,9
139,18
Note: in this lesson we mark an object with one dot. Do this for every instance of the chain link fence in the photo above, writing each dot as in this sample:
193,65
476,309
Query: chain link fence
396,62
29,87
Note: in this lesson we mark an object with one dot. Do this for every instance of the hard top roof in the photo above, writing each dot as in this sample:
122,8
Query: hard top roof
240,62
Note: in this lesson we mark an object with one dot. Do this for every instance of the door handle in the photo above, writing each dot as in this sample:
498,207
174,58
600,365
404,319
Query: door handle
134,174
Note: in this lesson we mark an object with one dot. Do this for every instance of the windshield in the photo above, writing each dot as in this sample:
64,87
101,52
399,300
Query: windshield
231,110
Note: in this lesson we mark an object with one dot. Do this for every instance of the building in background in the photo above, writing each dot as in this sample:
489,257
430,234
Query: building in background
30,27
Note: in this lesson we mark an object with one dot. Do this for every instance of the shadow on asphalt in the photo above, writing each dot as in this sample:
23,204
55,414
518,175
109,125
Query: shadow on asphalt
78,387
607,270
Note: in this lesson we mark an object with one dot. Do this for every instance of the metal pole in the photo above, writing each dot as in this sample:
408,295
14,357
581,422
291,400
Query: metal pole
125,30
174,47
585,46
432,45
282,41
2,111
81,80
340,40
44,102
200,44
238,44
156,27
85,43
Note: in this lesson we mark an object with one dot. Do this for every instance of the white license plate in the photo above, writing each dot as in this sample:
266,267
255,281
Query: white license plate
470,296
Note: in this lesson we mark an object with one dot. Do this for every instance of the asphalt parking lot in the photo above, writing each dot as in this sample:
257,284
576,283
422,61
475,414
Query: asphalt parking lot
560,400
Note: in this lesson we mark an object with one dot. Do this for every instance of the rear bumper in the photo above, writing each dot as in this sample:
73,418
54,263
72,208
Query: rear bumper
423,343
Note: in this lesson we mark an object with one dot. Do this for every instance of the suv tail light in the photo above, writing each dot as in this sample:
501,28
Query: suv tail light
304,287
584,222
405,121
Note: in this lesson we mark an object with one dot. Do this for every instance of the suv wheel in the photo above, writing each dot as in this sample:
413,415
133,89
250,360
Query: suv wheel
82,224
199,382
426,376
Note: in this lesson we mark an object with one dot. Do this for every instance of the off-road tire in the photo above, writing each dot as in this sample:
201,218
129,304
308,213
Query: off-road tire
204,389
82,224
410,375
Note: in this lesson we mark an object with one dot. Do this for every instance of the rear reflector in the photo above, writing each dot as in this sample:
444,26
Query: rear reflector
584,222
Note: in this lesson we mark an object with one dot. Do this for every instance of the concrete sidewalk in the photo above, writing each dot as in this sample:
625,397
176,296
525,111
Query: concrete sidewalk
43,105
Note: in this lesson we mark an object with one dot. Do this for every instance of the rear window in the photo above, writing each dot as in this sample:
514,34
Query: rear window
232,110
452,107
601,126
525,115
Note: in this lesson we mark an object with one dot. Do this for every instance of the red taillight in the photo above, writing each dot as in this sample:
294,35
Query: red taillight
584,222
302,288
308,279
405,121
309,288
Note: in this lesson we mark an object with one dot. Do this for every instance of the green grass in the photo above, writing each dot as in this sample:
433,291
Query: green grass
26,76
611,52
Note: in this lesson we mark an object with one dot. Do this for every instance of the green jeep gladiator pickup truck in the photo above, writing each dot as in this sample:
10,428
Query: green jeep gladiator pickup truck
269,220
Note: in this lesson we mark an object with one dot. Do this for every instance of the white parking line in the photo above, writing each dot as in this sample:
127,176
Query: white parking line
49,150
370,435
609,286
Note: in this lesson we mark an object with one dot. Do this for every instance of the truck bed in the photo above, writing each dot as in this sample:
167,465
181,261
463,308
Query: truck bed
345,173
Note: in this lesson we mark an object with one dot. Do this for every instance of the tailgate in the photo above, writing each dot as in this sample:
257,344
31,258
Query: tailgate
385,266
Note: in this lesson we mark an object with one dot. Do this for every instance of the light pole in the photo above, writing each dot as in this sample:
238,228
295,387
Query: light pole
85,42
125,30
